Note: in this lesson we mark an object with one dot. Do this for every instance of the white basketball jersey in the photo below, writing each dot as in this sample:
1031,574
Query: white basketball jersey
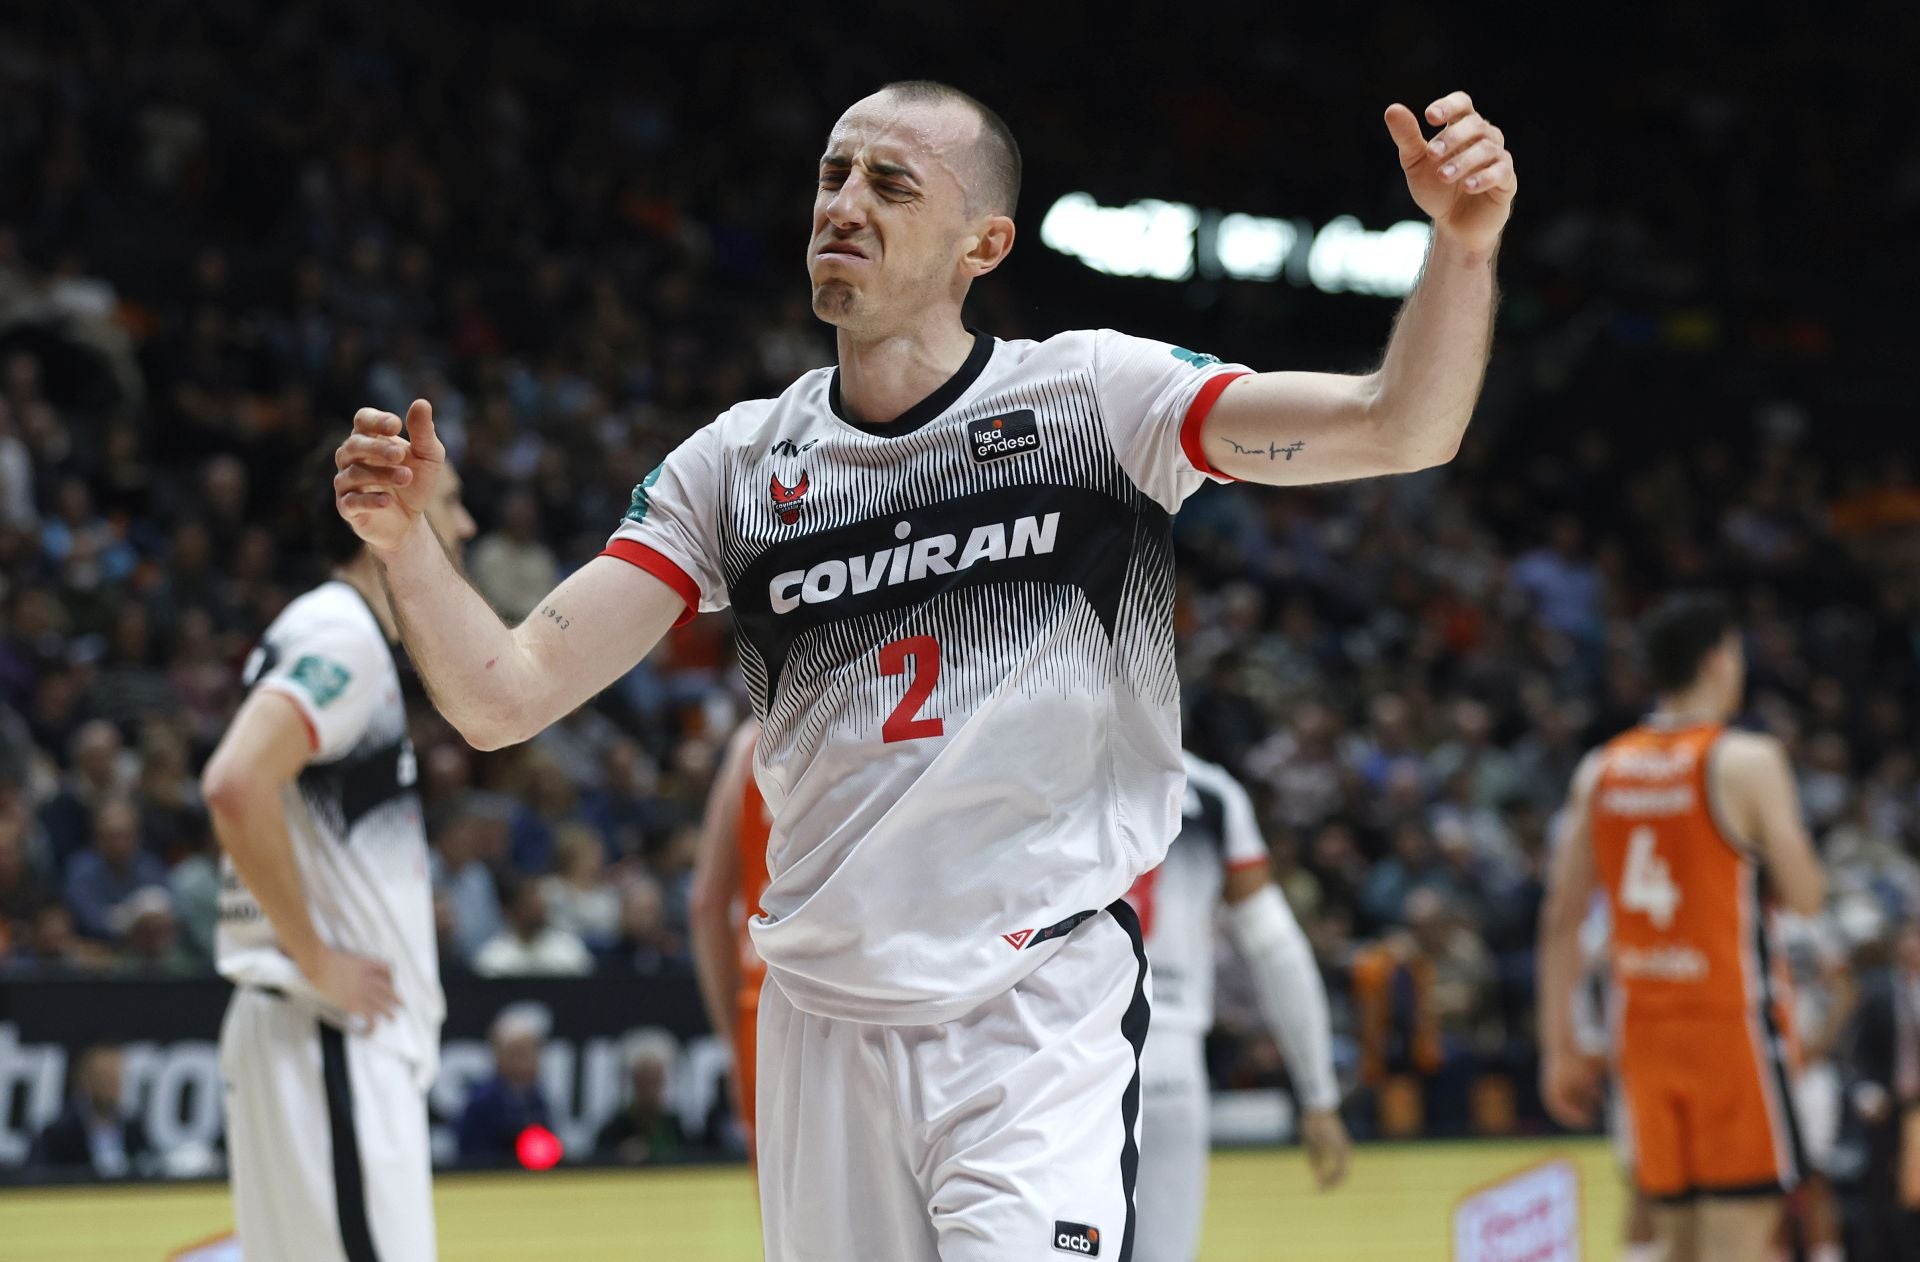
957,630
1179,901
354,818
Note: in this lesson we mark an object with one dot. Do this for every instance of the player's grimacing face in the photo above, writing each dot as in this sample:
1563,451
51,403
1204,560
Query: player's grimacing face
890,222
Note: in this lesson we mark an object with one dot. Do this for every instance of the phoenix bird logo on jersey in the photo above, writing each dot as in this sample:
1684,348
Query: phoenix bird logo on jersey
787,499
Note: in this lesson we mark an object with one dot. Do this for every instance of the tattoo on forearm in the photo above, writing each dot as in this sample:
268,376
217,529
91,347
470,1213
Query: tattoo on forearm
1274,450
556,617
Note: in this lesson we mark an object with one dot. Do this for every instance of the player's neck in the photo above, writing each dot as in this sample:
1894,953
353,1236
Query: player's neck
1691,709
880,378
363,575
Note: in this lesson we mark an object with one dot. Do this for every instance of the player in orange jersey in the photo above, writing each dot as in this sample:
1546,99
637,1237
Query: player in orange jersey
728,878
1691,830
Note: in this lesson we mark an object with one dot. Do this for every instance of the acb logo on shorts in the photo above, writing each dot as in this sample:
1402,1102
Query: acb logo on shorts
1076,1238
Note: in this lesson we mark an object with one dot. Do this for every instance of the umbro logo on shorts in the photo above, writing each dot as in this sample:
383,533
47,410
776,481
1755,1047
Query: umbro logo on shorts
1076,1238
1012,434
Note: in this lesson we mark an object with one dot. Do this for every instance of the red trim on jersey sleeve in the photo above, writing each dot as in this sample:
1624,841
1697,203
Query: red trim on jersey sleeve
306,720
1252,861
661,567
313,733
1197,416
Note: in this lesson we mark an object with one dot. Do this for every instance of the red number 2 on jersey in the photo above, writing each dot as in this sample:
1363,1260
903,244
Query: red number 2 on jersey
924,652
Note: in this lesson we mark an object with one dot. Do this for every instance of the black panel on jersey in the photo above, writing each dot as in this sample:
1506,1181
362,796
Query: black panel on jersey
931,406
1211,824
358,784
261,664
1092,543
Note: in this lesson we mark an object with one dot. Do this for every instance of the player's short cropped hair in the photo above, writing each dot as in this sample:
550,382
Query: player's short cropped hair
1677,636
999,152
332,538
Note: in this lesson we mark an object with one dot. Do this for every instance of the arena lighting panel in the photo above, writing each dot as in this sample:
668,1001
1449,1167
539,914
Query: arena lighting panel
1163,240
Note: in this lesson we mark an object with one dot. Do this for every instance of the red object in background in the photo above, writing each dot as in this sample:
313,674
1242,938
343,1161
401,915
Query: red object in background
538,1148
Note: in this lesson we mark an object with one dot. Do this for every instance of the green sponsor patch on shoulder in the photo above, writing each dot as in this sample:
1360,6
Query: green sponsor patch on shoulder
1194,359
323,680
642,501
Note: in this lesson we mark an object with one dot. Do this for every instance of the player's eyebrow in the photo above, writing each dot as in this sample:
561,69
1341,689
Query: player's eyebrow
891,170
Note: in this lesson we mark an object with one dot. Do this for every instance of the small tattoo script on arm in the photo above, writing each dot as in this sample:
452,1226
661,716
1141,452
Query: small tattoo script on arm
556,617
1274,451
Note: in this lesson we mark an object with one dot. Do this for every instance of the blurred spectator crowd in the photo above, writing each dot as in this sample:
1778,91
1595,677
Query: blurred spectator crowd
208,263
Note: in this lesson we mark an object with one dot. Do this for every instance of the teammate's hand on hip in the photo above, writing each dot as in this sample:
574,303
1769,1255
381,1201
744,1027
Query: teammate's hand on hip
1463,178
1570,1088
385,480
358,985
1328,1147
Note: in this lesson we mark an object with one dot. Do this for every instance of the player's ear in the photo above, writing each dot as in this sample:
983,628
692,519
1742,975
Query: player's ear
991,247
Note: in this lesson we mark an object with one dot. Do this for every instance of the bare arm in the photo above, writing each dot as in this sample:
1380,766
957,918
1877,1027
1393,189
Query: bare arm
260,755
1299,428
1754,781
716,882
498,685
1296,428
1570,1090
501,685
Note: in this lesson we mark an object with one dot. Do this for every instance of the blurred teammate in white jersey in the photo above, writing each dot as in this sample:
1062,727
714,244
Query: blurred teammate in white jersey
950,563
1219,856
326,924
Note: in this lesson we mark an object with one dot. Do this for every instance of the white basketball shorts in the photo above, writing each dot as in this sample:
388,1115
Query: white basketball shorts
1010,1134
1173,1152
1817,1107
327,1142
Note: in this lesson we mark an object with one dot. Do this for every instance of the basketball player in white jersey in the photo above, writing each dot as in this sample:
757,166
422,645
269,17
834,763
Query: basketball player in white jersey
326,924
949,563
1219,856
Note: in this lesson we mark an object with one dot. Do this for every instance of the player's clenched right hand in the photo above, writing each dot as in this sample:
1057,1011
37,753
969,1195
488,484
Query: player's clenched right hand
386,480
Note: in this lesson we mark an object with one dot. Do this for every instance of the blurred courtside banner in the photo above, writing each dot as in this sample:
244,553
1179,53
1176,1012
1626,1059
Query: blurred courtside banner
170,1031
1532,1216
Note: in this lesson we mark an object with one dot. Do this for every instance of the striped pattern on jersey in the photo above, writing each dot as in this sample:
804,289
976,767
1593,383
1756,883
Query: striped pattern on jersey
1088,565
957,632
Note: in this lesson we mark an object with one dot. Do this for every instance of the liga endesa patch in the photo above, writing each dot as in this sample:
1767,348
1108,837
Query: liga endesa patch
1010,434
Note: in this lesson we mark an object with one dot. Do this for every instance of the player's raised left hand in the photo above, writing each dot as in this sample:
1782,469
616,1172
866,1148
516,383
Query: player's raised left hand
1463,178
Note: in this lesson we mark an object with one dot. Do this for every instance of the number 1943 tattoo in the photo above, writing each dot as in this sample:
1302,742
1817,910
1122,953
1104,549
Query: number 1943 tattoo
556,617
1274,450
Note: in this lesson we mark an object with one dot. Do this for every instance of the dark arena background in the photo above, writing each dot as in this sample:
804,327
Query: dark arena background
578,229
